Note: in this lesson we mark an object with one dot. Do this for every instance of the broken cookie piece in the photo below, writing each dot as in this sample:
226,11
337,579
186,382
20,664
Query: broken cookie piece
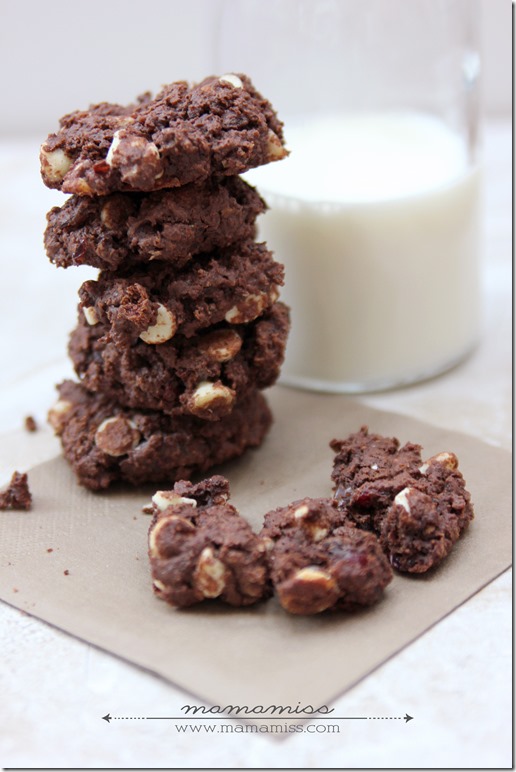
428,517
319,561
201,548
368,471
17,494
418,510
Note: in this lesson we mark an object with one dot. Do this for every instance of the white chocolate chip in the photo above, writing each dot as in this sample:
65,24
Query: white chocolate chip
116,436
79,187
251,307
153,534
275,149
273,295
164,329
209,395
130,153
106,216
90,315
233,313
301,511
314,584
61,406
57,413
266,544
221,345
401,500
163,522
232,79
446,459
164,499
314,574
159,585
55,164
210,574
113,146
315,531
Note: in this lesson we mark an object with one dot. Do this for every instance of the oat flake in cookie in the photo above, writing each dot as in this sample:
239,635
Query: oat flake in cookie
319,561
221,126
418,509
200,548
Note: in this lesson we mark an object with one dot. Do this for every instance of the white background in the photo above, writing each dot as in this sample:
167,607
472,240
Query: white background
61,55
58,55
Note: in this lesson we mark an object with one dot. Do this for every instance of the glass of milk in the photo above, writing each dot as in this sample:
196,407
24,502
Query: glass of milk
375,213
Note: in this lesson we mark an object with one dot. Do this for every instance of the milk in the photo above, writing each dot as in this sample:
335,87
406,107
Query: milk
376,218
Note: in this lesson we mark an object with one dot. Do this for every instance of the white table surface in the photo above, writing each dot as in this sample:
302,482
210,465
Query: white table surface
455,680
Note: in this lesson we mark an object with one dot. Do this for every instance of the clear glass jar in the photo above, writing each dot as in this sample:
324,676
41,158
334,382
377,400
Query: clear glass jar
376,212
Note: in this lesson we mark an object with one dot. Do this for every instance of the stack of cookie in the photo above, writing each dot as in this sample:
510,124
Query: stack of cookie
182,328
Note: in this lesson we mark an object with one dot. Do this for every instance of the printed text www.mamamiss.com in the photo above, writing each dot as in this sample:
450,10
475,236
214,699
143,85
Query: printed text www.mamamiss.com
279,728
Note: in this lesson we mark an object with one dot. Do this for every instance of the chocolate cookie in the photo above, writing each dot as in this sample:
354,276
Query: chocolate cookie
418,509
104,442
201,548
235,285
127,229
204,375
319,561
427,517
368,471
221,126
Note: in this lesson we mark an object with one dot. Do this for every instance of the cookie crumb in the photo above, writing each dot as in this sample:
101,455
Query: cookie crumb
17,494
50,549
66,572
30,424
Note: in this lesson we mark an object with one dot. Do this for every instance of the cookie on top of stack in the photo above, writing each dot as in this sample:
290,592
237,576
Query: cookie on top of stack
182,328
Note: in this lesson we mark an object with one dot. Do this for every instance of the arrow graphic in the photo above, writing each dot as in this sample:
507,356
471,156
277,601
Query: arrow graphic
406,718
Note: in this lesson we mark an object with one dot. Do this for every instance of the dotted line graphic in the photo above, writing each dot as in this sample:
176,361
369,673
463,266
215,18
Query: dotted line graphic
336,718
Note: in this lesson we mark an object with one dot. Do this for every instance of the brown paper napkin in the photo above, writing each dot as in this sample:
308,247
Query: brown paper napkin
79,561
